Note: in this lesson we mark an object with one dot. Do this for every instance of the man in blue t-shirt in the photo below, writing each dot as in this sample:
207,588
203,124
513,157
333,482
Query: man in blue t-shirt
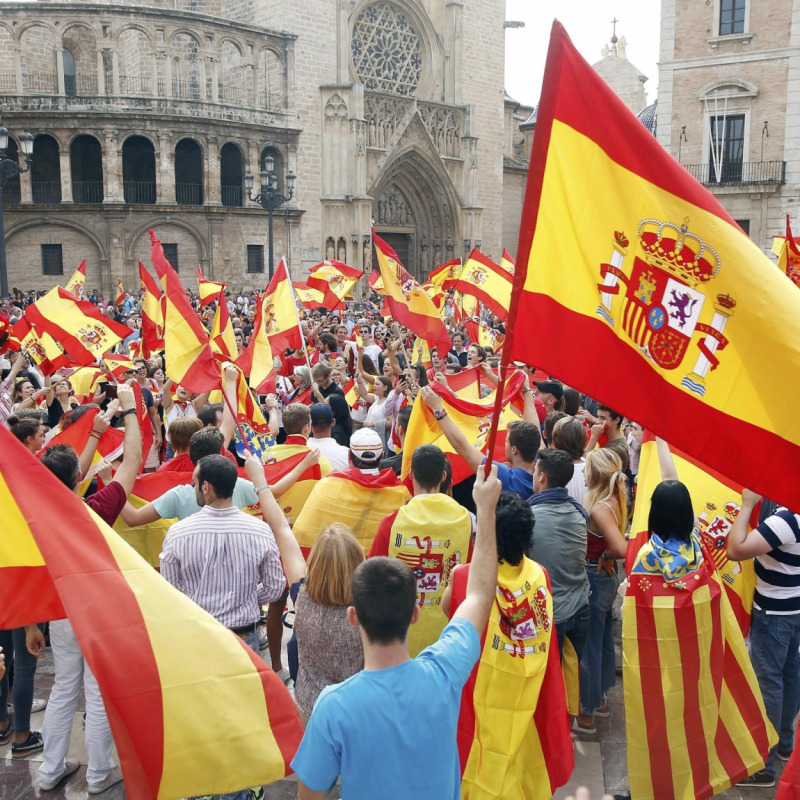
390,730
523,440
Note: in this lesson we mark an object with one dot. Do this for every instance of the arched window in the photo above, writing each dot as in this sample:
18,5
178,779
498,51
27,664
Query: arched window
11,190
46,170
278,165
231,174
70,82
139,170
86,168
188,173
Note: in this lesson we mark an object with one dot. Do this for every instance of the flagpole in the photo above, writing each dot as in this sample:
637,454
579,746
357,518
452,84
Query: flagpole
297,314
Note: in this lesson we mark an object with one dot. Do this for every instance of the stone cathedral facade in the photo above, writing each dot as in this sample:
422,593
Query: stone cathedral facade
389,112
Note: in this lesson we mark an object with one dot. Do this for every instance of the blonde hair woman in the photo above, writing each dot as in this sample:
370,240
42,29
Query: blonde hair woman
606,501
329,648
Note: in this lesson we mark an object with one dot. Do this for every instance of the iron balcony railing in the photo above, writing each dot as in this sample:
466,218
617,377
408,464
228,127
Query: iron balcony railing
8,82
12,195
232,196
41,83
134,84
741,173
140,192
80,85
87,191
45,192
189,194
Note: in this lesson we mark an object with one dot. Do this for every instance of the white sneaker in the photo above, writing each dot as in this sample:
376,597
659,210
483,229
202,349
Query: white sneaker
112,779
70,765
283,675
38,704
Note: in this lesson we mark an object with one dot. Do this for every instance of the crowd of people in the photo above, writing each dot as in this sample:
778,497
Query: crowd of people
385,633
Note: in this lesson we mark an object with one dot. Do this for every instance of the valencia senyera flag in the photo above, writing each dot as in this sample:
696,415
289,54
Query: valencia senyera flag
634,284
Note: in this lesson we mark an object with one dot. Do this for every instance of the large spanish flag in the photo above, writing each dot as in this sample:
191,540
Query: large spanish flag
146,643
361,502
622,249
716,501
209,290
152,313
80,328
488,282
695,719
40,345
335,280
513,728
223,339
190,361
473,417
408,302
76,283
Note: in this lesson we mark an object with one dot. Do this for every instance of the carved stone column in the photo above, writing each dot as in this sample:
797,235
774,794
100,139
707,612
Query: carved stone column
165,170
66,175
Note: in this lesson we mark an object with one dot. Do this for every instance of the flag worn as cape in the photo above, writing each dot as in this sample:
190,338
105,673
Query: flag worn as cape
190,360
81,329
152,313
408,303
695,719
75,285
486,281
716,501
620,247
147,645
473,417
294,499
513,729
361,502
210,290
335,280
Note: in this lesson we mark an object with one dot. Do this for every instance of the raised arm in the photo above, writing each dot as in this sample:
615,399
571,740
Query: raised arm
668,470
272,411
230,378
166,396
294,565
287,481
470,454
482,580
132,443
741,544
102,422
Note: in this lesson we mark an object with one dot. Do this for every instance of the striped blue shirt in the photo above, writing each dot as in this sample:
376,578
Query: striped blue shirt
778,571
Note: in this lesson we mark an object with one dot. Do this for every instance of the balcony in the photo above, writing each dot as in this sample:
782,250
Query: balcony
747,173
46,192
139,192
80,85
189,194
87,191
231,196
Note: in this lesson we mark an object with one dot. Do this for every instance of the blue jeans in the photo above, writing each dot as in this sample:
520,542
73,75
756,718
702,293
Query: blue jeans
252,642
598,673
774,643
13,644
574,628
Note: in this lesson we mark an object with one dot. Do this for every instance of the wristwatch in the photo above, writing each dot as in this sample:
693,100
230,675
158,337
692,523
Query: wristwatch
439,414
260,487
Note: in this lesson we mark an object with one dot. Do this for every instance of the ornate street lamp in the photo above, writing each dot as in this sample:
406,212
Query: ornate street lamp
270,198
9,169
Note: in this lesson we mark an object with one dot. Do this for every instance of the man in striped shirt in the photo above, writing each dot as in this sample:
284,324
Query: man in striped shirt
775,626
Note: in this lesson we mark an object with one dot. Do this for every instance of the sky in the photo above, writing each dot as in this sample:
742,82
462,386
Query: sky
588,23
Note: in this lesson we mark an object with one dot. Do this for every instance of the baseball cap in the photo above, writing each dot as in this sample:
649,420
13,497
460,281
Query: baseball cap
366,445
321,414
550,387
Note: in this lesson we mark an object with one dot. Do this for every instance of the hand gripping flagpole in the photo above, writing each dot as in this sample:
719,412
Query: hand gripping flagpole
234,414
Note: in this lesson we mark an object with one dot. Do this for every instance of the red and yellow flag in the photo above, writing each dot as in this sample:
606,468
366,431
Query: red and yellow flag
190,360
41,347
375,280
408,303
695,719
335,280
361,502
789,785
716,501
789,255
222,339
120,298
446,276
117,366
310,298
77,282
146,644
508,263
210,290
436,294
294,499
621,248
473,417
486,281
153,302
513,729
481,334
81,329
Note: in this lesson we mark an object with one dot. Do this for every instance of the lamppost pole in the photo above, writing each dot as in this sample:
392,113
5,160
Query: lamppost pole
269,198
8,169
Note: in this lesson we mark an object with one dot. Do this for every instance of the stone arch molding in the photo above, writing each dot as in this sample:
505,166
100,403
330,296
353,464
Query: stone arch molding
728,87
61,223
154,224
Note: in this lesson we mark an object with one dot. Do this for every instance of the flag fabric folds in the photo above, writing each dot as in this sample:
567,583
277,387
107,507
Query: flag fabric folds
190,360
621,248
716,502
335,280
120,298
694,715
310,298
41,347
408,303
223,339
481,334
77,282
81,329
486,281
147,645
474,417
209,290
508,263
152,313
789,785
446,276
513,730
789,256
117,366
